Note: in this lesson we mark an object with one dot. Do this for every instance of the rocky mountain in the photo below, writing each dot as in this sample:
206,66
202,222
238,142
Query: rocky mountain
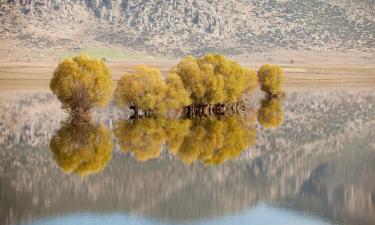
180,27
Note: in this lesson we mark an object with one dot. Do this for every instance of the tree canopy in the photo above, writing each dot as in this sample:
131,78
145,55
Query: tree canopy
271,113
214,79
146,90
176,95
81,148
81,83
271,78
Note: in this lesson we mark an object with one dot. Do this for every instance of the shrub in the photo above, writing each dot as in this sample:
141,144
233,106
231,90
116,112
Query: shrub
82,83
214,79
176,94
146,90
271,78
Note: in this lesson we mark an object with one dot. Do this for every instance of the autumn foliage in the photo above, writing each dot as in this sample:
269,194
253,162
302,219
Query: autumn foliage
203,86
82,83
214,79
148,91
209,80
271,78
81,148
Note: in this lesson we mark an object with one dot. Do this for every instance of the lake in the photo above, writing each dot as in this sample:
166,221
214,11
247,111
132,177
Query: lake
314,166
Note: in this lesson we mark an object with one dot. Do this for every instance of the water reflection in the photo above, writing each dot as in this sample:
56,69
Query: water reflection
271,113
210,140
81,147
144,137
317,164
213,140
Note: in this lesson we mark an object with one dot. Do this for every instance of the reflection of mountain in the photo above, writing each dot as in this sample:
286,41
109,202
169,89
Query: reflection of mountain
30,118
319,161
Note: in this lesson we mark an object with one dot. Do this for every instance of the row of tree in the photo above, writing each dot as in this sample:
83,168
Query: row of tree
195,84
199,85
84,148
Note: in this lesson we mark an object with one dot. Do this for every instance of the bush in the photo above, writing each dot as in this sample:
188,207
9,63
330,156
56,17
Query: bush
271,78
214,79
82,83
146,90
176,96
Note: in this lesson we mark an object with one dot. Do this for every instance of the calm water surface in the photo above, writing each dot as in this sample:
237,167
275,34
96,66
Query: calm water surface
316,167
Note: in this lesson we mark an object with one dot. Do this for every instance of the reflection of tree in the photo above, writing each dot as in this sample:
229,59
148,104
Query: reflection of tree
82,147
143,137
271,113
213,140
210,140
176,130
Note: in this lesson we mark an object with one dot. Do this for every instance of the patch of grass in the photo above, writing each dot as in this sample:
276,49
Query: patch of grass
317,69
114,54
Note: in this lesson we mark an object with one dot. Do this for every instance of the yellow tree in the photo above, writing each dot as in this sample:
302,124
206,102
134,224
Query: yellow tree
81,148
82,83
176,94
143,137
271,78
145,90
271,113
215,79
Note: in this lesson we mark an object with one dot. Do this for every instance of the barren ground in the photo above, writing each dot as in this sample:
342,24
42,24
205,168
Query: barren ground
36,75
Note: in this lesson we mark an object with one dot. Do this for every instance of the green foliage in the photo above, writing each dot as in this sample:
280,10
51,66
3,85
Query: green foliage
271,78
214,79
81,147
271,114
146,90
82,83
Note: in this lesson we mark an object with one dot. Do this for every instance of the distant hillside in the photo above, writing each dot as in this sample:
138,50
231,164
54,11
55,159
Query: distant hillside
180,27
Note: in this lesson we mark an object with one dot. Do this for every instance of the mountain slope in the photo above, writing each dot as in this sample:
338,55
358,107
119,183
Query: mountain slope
191,26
